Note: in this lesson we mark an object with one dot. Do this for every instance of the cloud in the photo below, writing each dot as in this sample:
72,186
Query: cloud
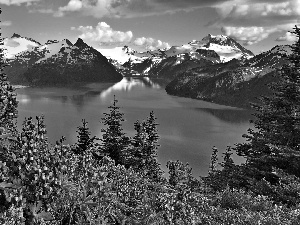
248,35
16,2
5,23
288,37
73,5
45,11
151,43
252,21
133,8
262,9
103,34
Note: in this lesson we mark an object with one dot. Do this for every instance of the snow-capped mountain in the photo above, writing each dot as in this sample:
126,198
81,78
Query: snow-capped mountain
226,47
234,83
217,49
58,62
17,44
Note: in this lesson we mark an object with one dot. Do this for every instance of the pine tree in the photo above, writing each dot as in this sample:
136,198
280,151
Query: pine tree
8,101
114,141
151,148
142,153
84,141
277,120
135,154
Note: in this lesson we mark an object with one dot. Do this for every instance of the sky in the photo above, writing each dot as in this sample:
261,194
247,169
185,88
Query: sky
151,24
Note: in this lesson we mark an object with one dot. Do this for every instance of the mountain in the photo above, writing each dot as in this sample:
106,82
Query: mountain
58,63
170,67
225,46
17,44
167,63
234,83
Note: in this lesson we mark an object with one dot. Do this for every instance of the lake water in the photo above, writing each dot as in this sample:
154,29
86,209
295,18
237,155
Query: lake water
188,128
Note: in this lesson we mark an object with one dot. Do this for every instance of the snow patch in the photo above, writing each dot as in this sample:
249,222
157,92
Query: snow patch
54,48
14,46
118,54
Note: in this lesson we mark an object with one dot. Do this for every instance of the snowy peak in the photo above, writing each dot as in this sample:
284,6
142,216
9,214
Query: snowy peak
18,44
27,38
218,39
225,46
225,41
52,48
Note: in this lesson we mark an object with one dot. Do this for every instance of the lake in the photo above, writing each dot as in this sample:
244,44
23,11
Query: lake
188,128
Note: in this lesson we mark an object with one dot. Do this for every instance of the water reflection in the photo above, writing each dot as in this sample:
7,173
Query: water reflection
82,95
127,83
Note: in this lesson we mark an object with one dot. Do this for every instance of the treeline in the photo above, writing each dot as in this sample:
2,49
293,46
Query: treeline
116,179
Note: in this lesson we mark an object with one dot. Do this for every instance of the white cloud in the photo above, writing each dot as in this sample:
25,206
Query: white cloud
16,2
252,21
248,35
288,37
5,23
135,8
283,9
103,34
255,9
73,5
151,43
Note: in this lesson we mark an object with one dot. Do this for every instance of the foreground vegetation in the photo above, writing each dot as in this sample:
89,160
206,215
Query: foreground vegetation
116,179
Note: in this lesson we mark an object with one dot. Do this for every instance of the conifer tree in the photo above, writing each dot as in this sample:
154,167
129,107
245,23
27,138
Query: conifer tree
135,154
143,153
84,140
114,141
8,101
151,150
277,120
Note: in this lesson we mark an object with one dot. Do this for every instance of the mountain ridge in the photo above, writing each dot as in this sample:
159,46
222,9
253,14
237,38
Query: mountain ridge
59,63
235,83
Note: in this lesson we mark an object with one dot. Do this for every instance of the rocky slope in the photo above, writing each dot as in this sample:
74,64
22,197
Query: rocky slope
170,67
58,63
235,83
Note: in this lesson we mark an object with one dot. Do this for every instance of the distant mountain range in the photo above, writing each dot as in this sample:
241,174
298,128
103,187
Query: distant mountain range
167,63
55,62
216,69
